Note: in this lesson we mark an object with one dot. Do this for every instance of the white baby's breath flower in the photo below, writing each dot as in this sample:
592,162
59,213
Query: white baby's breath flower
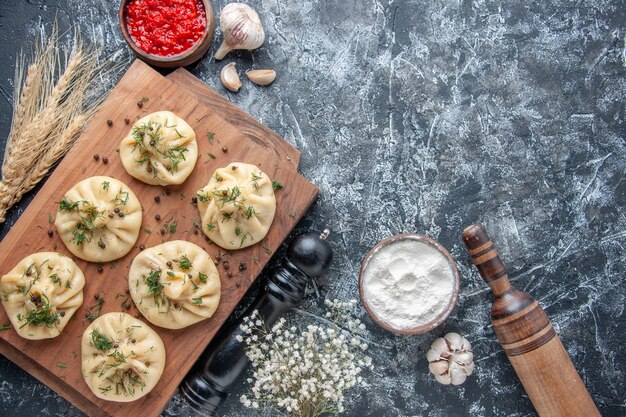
299,372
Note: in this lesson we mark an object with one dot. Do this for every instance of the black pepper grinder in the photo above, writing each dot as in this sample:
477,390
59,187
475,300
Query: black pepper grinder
224,360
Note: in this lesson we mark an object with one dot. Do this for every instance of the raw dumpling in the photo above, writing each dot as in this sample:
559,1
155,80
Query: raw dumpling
41,293
237,206
160,149
122,358
174,284
99,219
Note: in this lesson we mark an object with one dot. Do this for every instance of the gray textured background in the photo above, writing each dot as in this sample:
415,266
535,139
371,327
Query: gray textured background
420,116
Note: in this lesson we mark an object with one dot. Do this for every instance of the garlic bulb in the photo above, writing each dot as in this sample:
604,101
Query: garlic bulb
230,78
261,77
451,359
241,27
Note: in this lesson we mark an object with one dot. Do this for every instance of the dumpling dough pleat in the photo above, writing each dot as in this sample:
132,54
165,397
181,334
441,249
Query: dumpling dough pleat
99,219
41,293
175,284
122,358
160,149
237,206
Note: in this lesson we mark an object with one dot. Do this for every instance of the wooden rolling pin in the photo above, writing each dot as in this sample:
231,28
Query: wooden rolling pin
528,338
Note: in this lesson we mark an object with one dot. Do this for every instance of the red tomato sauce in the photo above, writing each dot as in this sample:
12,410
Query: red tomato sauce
165,27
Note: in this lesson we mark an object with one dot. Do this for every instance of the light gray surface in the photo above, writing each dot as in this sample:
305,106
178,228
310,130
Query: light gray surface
426,117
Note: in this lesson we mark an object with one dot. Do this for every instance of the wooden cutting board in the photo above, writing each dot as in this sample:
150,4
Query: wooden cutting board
57,362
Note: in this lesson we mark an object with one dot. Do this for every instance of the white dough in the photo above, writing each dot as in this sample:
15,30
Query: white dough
46,284
175,284
122,358
99,219
237,206
160,149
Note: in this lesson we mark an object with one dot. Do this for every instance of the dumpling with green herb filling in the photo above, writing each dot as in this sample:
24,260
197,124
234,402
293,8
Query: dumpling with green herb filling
175,284
99,219
237,206
41,294
160,149
122,357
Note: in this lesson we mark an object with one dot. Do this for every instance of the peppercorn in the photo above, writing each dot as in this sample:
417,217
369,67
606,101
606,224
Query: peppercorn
168,191
115,345
50,232
127,121
133,341
234,168
111,215
152,143
157,217
121,214
195,231
105,160
168,167
62,313
116,209
102,245
169,264
226,265
96,296
149,168
224,149
162,231
194,200
96,157
190,276
110,122
157,199
127,291
127,306
100,268
140,104
142,246
242,266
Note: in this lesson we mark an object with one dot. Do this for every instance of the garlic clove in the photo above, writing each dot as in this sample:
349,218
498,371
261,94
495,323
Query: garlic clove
241,27
443,379
438,367
230,78
261,77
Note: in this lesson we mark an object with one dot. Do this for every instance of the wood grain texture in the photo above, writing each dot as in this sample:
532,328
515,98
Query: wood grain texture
29,235
528,338
245,123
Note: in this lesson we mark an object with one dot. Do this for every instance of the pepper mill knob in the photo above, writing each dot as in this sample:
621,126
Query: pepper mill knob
311,253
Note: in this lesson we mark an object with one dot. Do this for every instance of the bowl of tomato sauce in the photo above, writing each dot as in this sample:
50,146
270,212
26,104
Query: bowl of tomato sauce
168,33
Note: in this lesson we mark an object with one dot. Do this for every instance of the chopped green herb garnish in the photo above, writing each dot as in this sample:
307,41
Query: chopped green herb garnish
276,185
203,277
183,262
55,279
197,300
173,226
61,365
5,326
212,156
105,185
100,341
267,250
42,315
210,226
210,136
155,287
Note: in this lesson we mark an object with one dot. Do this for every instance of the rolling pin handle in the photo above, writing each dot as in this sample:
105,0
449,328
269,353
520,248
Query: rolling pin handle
486,258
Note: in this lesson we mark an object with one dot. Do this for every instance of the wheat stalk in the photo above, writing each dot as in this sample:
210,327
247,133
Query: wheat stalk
49,112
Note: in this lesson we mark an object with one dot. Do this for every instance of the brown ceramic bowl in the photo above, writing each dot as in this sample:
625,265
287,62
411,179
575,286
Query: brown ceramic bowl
187,57
451,302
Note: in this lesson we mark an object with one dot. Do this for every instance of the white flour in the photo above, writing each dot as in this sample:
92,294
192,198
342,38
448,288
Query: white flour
408,283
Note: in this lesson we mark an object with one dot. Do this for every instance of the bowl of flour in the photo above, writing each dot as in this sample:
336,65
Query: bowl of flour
409,284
